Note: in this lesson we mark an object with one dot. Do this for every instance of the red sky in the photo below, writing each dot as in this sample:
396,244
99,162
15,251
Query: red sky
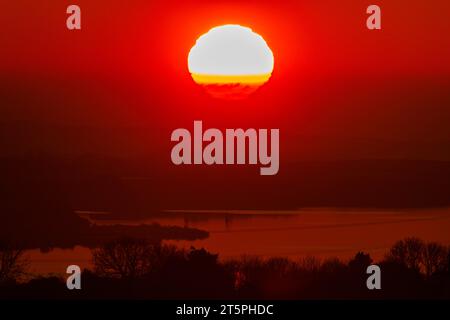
339,91
121,85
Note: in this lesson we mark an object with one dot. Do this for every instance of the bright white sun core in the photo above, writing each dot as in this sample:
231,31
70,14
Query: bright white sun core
231,54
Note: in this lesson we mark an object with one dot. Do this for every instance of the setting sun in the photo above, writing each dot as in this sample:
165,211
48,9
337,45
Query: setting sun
232,60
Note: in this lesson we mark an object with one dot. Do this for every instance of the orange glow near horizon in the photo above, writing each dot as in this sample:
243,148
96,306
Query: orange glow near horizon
221,79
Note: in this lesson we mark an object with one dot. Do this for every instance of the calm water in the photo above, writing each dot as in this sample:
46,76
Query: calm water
319,232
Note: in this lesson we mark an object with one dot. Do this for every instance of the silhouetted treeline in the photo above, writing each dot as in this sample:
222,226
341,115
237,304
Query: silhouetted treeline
136,269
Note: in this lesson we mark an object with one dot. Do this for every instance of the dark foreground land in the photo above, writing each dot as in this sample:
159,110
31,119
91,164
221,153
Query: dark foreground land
136,269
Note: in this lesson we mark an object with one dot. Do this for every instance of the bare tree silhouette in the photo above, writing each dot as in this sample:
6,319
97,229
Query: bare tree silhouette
124,258
310,264
332,265
129,258
435,258
361,261
409,252
13,264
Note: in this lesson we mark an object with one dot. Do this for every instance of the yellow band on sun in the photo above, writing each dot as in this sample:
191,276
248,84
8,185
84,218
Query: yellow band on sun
230,79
